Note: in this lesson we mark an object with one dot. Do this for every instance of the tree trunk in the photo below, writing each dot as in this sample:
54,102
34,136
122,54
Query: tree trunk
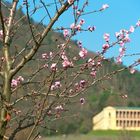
3,123
5,100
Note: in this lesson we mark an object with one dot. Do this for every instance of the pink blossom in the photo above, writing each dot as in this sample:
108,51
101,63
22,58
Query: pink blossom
57,84
17,112
91,28
72,26
82,83
117,34
125,95
93,73
82,21
122,51
66,63
106,37
99,63
17,81
44,56
71,90
59,108
51,54
120,34
78,12
126,39
45,65
79,43
131,29
78,27
65,33
1,33
138,23
49,113
123,35
14,83
121,43
52,87
82,101
132,71
104,6
76,85
53,67
20,79
2,59
63,56
70,1
119,60
83,53
91,62
39,137
105,47
123,31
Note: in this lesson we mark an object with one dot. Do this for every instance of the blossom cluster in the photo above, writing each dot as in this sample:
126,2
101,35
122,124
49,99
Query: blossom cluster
80,85
94,65
59,109
45,56
76,27
83,53
66,63
17,81
123,38
56,85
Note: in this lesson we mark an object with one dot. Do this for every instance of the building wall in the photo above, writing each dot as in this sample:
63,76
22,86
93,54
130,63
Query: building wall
109,117
98,121
128,119
103,120
117,119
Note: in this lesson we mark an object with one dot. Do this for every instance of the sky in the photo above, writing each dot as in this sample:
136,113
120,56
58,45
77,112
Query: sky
121,14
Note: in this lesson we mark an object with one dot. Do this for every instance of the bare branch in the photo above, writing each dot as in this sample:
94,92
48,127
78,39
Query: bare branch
2,21
46,9
28,57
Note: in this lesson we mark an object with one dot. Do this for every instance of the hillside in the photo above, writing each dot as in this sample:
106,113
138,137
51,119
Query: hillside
78,118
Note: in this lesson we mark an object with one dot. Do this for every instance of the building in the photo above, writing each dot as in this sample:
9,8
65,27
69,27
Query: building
117,118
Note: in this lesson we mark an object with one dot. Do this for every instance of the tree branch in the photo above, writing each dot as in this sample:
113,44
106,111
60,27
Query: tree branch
39,41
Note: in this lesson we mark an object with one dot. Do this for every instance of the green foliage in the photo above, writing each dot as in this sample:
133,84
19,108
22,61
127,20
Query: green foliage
131,104
84,127
103,99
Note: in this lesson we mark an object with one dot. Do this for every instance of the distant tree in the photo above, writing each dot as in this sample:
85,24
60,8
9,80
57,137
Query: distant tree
103,100
35,84
131,104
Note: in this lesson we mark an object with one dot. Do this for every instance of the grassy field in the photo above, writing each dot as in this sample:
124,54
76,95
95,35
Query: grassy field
115,133
100,135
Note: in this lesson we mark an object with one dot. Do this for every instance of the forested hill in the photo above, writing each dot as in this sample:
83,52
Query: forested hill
110,92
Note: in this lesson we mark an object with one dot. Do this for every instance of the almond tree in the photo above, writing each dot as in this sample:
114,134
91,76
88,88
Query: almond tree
36,85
